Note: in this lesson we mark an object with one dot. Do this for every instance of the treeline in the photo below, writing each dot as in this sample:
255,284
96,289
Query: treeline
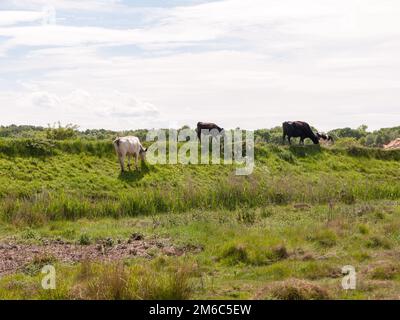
67,132
344,136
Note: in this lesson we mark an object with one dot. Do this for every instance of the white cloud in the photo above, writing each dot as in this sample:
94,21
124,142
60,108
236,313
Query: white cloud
8,18
44,99
88,109
65,4
249,63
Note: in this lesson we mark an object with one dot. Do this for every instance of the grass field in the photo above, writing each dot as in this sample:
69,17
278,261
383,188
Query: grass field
284,232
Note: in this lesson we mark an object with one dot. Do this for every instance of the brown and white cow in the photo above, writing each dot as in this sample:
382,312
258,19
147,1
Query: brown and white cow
325,137
129,146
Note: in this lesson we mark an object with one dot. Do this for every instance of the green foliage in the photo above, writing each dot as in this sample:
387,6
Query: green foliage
71,179
84,240
27,147
349,133
237,260
61,133
273,135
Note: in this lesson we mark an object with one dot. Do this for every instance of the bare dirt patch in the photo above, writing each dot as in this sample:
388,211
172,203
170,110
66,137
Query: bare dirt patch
14,256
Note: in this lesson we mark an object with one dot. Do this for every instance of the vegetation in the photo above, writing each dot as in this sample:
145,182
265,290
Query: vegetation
284,232
361,136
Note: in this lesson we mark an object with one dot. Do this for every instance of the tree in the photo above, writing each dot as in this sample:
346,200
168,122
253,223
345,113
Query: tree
70,131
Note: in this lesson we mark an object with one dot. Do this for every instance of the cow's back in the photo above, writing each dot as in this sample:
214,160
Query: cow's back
128,145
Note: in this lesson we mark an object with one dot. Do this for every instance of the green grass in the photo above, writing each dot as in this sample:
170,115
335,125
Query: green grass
303,214
238,259
74,182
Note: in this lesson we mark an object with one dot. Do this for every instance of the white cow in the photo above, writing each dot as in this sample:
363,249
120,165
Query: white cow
129,146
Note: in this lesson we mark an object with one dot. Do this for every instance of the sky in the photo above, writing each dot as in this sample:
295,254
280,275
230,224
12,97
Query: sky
128,64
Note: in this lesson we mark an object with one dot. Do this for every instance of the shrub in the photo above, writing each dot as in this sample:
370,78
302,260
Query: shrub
324,238
363,229
84,240
253,254
61,133
235,254
378,242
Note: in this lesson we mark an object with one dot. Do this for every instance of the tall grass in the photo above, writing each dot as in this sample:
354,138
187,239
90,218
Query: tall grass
233,193
79,178
118,282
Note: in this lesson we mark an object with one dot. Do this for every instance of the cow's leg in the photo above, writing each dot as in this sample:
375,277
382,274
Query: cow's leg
301,141
129,162
284,137
121,162
136,160
289,137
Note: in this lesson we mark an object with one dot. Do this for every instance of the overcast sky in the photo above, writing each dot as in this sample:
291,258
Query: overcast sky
126,64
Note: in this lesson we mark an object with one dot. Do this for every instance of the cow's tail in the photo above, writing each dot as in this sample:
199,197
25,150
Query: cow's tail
117,142
142,149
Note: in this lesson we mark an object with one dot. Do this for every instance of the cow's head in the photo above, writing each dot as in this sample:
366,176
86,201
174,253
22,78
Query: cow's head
315,139
143,153
323,136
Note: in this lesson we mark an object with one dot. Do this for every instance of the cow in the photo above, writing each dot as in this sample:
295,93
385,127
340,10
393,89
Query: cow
129,146
298,129
325,137
207,126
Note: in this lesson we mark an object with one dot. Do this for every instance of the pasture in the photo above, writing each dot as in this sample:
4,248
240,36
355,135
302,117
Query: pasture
198,231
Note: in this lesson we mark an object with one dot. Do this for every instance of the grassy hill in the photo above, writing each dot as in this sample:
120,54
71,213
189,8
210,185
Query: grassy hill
304,213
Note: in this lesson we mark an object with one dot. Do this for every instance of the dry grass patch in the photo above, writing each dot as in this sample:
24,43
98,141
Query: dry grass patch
385,271
294,289
115,281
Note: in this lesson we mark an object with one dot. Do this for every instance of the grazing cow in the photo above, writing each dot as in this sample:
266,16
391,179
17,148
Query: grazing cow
325,137
129,146
298,129
207,126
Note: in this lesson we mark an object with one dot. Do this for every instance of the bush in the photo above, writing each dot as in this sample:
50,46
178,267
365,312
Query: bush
378,242
253,254
84,240
62,133
324,238
235,254
26,147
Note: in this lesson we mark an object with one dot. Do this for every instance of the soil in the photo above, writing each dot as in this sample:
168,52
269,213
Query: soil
15,257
